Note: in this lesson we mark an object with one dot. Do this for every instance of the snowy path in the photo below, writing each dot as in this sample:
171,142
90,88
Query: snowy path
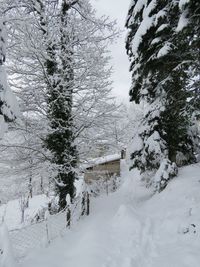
91,243
132,229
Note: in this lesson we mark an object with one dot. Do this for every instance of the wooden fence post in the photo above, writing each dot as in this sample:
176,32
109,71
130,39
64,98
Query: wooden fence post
68,216
83,204
88,204
46,217
68,209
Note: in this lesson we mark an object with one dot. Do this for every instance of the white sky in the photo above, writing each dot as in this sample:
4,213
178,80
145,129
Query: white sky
117,9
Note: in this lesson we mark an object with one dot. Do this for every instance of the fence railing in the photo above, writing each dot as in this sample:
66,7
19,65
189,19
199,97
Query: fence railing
42,233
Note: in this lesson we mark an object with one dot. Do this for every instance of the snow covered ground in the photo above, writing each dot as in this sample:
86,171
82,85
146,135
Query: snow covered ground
133,228
12,213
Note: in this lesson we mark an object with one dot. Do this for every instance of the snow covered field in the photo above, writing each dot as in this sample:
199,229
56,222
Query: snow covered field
133,228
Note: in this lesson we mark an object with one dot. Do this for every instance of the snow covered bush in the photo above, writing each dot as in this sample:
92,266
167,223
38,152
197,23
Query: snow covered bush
166,171
104,185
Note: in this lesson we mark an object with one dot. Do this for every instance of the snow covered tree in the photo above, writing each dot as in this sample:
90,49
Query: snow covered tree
8,105
59,68
189,28
159,83
50,54
190,13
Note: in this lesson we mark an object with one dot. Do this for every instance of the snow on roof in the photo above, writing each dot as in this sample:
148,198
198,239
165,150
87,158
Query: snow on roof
102,160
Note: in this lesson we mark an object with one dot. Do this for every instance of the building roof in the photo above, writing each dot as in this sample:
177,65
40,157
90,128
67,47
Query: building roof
102,160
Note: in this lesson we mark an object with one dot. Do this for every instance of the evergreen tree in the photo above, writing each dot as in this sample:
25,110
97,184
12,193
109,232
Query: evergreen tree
159,82
190,28
190,14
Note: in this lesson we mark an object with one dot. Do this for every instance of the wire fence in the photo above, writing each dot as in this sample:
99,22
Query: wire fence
40,234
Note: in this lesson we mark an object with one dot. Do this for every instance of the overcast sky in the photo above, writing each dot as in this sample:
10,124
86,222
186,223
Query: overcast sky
117,9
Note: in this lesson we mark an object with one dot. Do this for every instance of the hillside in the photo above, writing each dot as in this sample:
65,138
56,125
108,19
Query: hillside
134,228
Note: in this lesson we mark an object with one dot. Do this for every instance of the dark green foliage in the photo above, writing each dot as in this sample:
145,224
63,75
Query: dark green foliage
160,67
59,68
60,141
175,121
192,9
191,38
